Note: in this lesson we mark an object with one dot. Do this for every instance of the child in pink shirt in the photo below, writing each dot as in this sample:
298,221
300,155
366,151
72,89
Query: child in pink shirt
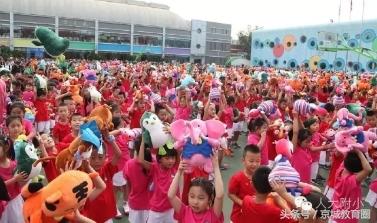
257,136
183,107
162,173
301,158
138,181
205,199
348,196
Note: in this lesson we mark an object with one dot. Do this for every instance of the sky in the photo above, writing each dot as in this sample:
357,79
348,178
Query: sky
271,14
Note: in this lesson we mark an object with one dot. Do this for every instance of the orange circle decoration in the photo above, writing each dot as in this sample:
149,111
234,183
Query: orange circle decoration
289,42
278,50
313,62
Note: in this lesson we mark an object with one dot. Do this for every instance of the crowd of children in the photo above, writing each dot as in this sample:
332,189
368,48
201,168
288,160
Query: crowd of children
48,102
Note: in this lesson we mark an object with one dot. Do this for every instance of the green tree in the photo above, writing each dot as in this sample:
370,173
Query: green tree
244,39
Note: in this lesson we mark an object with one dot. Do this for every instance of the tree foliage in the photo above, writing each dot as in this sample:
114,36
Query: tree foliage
244,39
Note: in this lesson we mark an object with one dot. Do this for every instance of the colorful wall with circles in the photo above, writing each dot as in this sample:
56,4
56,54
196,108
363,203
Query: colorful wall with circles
353,47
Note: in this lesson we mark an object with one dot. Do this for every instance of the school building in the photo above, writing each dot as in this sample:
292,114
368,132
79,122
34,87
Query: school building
348,46
115,26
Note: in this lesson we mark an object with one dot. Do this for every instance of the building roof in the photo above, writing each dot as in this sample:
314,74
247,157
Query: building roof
117,11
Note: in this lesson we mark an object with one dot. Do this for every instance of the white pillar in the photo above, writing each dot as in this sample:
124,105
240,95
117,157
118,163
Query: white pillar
163,41
57,25
132,39
11,31
96,37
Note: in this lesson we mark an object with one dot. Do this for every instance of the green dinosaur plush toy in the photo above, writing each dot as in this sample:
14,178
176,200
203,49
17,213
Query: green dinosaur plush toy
53,44
27,157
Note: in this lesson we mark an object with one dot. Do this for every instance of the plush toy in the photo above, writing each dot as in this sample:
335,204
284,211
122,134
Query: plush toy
81,146
90,76
346,119
188,81
29,115
75,93
171,94
372,150
268,108
356,109
349,139
58,201
153,131
52,43
40,82
283,170
95,95
27,158
304,108
197,138
329,134
156,98
215,92
103,117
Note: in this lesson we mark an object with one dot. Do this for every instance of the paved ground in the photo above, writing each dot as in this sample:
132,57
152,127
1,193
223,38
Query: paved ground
235,164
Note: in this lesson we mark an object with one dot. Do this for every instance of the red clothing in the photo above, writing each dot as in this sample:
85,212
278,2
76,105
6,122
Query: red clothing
261,213
187,177
322,97
103,207
41,107
187,215
135,118
227,117
50,168
65,142
61,130
336,161
301,160
240,105
241,186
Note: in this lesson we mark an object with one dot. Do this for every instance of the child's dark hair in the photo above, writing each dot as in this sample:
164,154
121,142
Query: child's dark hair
260,180
65,98
158,108
329,107
206,186
230,100
255,124
320,203
371,112
309,122
251,148
62,104
11,118
76,114
41,92
4,141
303,134
169,153
147,152
352,162
16,104
117,120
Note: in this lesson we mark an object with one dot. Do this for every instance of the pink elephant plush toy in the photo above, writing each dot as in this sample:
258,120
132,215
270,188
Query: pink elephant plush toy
197,138
268,108
353,138
346,118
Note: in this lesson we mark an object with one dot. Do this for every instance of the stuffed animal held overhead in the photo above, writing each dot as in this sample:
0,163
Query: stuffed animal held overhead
52,43
349,139
197,138
27,158
153,131
57,201
304,108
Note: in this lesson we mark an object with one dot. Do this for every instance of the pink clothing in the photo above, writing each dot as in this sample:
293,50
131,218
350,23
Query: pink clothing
162,179
8,173
139,195
373,186
227,117
253,138
186,215
122,142
301,160
316,141
28,126
347,197
28,96
182,112
3,98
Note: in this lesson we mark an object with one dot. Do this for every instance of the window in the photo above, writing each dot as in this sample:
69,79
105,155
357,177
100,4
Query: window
114,38
217,46
199,30
4,31
24,32
77,35
177,43
148,40
198,46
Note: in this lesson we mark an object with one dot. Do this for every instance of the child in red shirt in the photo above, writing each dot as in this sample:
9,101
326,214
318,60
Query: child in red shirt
137,110
42,117
63,127
240,184
47,146
103,208
76,121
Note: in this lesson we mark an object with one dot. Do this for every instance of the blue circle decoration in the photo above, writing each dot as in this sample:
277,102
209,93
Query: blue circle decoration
346,36
261,45
356,66
260,63
305,63
292,63
357,36
353,43
368,36
303,39
323,64
312,43
339,64
275,62
256,44
371,66
277,40
255,61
